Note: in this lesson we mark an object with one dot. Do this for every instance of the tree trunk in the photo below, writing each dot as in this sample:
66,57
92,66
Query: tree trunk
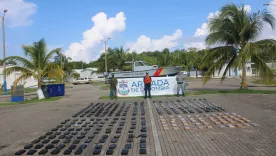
39,84
244,84
39,90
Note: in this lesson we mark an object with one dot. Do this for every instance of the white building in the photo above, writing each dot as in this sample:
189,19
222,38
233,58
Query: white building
272,65
230,72
84,73
90,73
13,76
235,72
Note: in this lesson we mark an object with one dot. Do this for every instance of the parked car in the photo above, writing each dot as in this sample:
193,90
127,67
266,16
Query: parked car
185,73
82,81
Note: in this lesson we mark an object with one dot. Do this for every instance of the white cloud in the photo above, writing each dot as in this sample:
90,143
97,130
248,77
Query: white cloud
144,43
52,47
197,45
247,8
89,47
272,8
267,32
19,12
212,15
203,30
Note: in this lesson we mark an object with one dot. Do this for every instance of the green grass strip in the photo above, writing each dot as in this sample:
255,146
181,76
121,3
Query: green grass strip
35,100
202,92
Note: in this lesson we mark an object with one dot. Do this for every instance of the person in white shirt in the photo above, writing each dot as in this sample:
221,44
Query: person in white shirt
180,83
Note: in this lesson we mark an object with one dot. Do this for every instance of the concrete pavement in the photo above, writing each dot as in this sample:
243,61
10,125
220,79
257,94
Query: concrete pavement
20,122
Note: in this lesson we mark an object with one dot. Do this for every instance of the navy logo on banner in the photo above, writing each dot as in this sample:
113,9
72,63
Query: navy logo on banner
123,88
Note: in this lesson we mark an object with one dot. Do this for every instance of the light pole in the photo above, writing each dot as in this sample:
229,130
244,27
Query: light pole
61,66
105,41
272,61
4,51
128,51
178,54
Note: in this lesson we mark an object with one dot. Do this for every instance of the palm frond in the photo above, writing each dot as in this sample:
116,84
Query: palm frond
51,54
22,77
266,44
29,50
249,50
36,53
216,53
20,61
12,69
217,58
229,66
52,68
268,18
264,71
220,37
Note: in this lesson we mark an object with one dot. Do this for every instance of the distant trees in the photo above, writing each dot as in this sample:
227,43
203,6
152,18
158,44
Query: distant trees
118,58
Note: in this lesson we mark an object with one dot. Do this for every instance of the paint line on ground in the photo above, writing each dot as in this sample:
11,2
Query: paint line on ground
154,131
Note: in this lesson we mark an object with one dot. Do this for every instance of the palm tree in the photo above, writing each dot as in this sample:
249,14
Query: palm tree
36,64
120,57
116,58
65,64
234,28
75,75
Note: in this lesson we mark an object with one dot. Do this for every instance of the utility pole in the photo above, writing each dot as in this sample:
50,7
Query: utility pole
272,61
178,54
105,41
4,52
61,66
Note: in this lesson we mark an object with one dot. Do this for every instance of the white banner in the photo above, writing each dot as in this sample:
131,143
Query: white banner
135,86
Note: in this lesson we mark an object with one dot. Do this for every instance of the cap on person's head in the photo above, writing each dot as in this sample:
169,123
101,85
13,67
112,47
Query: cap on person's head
147,73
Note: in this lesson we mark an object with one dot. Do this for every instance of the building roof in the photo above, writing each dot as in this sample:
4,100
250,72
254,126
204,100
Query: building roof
82,70
77,70
94,69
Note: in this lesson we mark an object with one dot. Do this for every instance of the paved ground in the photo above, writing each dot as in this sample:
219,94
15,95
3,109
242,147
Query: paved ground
28,121
23,123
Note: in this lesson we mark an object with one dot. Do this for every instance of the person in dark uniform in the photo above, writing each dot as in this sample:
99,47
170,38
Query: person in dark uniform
147,83
113,87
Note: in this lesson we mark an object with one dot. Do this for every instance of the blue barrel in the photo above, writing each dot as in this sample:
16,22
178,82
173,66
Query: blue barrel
54,90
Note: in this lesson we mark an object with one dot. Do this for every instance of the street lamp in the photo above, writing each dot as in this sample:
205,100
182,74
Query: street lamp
4,51
61,66
105,41
128,51
178,54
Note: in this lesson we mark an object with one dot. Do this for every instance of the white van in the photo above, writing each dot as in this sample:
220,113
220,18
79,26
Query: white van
82,81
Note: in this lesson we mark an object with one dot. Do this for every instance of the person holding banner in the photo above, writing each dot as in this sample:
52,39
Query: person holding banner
147,84
180,83
113,87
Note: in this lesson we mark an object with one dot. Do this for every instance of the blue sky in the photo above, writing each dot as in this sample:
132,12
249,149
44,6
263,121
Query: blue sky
62,22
